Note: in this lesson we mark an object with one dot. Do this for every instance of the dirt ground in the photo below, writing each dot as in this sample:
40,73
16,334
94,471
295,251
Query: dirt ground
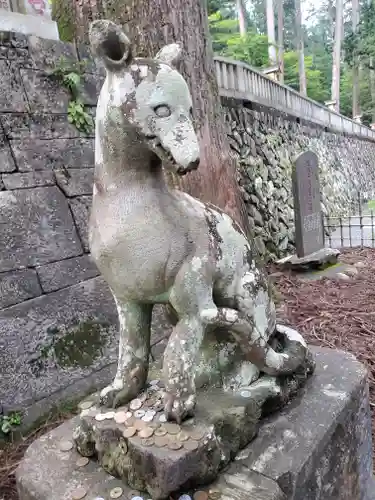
332,313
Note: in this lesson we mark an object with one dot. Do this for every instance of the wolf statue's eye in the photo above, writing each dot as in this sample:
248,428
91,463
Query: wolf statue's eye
162,111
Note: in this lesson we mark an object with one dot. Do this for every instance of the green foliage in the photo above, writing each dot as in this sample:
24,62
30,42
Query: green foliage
68,73
8,422
63,14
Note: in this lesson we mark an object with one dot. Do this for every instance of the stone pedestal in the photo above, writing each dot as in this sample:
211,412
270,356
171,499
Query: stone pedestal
319,446
28,24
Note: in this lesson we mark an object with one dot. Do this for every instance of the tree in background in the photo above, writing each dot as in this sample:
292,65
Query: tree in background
355,74
280,39
336,62
300,49
270,13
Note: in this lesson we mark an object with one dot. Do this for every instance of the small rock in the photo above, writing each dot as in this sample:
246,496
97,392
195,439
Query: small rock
343,276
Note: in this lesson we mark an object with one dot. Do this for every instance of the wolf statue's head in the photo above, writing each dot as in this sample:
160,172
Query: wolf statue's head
143,101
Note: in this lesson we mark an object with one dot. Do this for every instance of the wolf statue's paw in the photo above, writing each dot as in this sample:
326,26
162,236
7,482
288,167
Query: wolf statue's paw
179,407
124,389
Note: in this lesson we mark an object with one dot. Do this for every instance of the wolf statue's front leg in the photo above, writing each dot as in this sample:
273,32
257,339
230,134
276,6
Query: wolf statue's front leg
133,359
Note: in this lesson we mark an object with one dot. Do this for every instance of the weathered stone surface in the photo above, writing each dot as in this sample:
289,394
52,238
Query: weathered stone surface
45,54
17,286
12,95
322,257
28,180
80,207
228,420
37,125
37,228
66,273
44,93
6,160
41,154
75,181
66,336
319,446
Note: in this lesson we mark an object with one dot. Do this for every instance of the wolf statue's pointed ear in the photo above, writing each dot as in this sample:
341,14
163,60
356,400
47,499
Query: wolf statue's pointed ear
110,44
170,54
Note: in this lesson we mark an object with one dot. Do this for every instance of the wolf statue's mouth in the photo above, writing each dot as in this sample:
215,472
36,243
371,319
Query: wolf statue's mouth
165,156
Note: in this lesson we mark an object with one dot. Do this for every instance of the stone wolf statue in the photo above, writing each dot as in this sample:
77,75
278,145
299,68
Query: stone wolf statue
154,244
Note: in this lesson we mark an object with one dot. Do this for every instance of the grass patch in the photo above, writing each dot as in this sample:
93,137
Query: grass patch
371,205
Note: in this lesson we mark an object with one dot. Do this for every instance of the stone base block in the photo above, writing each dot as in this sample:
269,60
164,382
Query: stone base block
318,446
321,258
28,25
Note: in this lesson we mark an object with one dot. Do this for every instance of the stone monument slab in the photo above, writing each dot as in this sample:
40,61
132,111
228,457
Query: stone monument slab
307,204
319,446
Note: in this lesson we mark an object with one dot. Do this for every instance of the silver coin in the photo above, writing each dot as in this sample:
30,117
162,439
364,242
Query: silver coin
109,415
139,413
245,394
150,413
128,414
142,397
100,417
147,418
135,404
154,382
137,498
162,418
185,497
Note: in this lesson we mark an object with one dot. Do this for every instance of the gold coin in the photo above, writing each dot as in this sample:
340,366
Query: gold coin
82,461
148,441
172,428
79,493
147,432
116,492
65,445
190,445
197,434
120,417
200,495
161,441
129,422
183,436
85,405
129,432
174,445
162,431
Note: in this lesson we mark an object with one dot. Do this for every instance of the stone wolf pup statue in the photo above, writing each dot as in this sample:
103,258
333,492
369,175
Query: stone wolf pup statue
154,244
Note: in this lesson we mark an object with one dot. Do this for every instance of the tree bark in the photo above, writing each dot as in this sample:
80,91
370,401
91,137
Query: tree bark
336,64
300,49
270,14
280,38
242,17
151,24
355,15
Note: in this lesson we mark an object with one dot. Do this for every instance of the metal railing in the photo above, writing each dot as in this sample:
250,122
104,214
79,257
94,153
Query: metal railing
238,80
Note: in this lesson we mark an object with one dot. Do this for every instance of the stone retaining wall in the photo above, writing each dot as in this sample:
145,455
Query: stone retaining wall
58,333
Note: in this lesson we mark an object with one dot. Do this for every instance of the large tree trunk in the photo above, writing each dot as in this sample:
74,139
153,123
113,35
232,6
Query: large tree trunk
242,20
280,38
336,64
271,32
300,49
151,24
355,15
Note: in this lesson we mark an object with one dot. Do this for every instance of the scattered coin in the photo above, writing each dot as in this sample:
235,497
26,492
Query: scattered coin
120,417
200,495
183,436
154,425
197,434
79,493
100,417
174,445
172,428
245,394
150,413
214,494
148,441
134,494
142,397
154,382
139,425
82,461
129,414
185,497
99,498
85,405
139,413
161,441
129,422
147,432
109,415
129,432
190,445
161,431
162,418
135,404
65,445
116,492
136,498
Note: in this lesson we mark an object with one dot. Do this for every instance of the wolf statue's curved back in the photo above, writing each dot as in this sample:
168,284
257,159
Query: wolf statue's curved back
154,244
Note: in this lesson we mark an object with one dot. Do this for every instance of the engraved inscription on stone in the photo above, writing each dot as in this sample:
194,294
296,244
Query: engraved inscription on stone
307,206
5,4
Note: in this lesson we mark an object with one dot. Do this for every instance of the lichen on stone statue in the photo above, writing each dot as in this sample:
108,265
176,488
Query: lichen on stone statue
154,244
